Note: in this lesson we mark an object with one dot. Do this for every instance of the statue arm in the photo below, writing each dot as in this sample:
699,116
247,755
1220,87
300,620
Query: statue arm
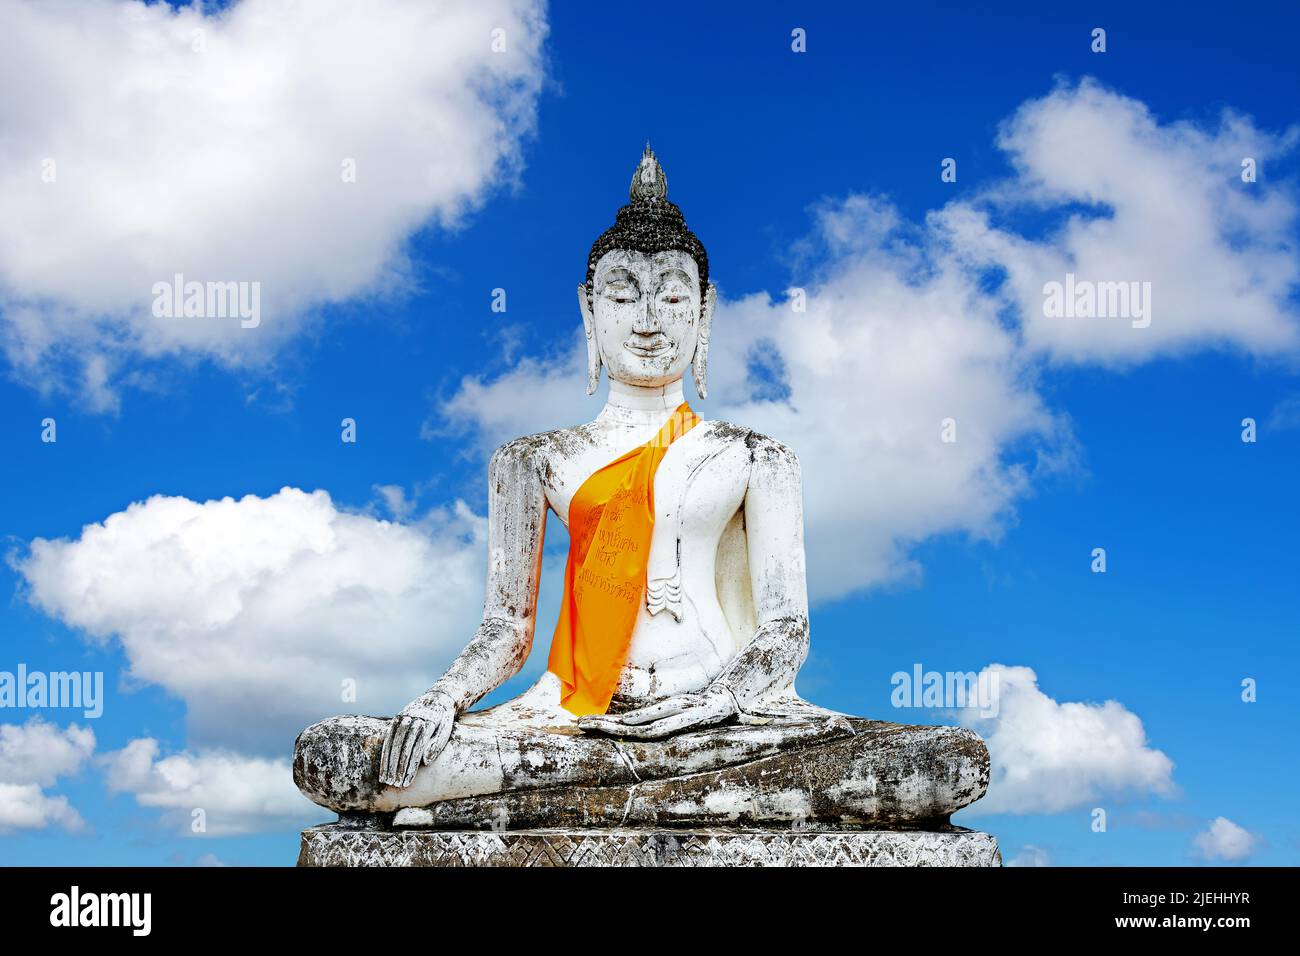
516,525
516,528
774,532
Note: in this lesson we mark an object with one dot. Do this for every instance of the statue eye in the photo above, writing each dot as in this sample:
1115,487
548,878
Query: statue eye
621,292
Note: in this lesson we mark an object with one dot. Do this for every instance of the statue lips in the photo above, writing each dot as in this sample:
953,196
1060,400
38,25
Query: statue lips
651,349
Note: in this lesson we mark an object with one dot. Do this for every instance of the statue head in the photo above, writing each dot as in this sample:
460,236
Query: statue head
647,302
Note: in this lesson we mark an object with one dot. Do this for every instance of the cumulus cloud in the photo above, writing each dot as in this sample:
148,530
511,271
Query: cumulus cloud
151,141
1141,202
895,347
1049,756
488,411
1225,840
907,325
38,752
1030,855
33,756
265,614
24,806
209,794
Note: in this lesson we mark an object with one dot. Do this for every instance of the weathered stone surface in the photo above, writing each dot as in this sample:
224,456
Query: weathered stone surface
335,845
806,764
882,775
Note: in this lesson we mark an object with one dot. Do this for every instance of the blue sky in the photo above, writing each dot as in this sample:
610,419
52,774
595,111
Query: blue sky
1111,443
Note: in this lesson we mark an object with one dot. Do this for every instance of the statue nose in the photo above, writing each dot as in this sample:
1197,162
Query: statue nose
647,320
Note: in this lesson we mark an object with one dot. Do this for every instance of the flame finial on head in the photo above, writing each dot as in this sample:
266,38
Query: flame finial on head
649,181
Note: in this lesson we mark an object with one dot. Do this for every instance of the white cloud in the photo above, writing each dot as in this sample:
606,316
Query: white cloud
396,501
24,806
212,144
490,412
236,794
893,343
1158,203
38,752
255,611
1225,840
1049,756
1030,855
34,756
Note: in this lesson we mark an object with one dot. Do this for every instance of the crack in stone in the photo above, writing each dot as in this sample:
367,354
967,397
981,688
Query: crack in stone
618,749
627,806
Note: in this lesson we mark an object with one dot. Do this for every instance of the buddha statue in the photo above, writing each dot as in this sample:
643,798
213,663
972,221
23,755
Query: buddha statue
669,698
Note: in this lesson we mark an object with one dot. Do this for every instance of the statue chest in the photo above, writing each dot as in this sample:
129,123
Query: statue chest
682,636
699,484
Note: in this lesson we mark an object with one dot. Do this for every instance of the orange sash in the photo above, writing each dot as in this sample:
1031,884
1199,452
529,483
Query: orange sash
611,519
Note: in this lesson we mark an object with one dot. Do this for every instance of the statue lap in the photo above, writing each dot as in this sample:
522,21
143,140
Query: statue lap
525,764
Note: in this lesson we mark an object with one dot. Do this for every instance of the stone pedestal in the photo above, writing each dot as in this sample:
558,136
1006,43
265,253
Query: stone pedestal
335,845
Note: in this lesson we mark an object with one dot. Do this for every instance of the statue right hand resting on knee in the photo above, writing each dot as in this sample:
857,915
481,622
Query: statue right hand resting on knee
416,736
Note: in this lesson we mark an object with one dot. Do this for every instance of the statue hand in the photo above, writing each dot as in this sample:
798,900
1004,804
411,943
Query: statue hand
667,717
416,736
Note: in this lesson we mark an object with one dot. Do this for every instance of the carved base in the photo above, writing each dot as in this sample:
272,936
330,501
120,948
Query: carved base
334,845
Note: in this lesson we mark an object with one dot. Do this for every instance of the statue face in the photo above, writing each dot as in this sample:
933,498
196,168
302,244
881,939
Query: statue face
646,310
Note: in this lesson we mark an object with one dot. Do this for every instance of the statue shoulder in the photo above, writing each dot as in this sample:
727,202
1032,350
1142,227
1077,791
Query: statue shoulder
772,455
516,455
536,451
763,450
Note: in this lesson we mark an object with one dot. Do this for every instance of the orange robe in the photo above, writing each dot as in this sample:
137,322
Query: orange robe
611,519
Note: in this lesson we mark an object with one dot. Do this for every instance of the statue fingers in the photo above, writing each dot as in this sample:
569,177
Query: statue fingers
437,741
661,719
385,753
651,731
687,720
602,725
412,751
398,731
659,710
392,748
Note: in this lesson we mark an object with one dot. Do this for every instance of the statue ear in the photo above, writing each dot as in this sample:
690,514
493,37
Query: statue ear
700,361
593,347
